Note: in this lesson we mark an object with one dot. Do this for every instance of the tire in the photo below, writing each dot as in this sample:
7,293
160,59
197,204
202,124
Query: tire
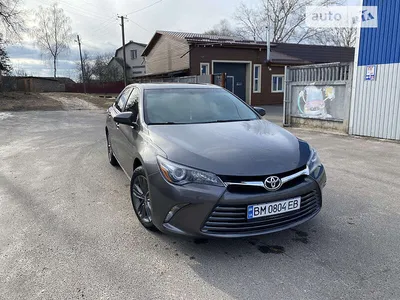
111,158
140,197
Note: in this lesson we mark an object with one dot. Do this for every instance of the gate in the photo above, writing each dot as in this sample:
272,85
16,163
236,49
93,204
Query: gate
318,95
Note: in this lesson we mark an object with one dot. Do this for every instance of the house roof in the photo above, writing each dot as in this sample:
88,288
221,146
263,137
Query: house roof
62,79
316,53
191,35
202,39
280,52
130,42
36,77
281,58
120,61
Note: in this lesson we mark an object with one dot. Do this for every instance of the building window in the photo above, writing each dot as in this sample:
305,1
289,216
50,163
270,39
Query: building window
204,68
133,54
257,78
277,84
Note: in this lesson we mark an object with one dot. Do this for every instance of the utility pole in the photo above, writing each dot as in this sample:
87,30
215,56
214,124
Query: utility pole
268,40
83,72
268,37
123,46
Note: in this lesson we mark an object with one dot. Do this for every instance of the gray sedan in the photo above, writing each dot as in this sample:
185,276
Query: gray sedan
203,163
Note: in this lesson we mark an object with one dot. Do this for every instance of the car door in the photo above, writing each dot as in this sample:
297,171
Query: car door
114,131
129,134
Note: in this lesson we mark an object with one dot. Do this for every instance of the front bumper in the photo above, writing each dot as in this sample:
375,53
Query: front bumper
210,211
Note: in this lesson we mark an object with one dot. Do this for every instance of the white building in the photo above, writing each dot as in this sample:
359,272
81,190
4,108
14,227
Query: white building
135,64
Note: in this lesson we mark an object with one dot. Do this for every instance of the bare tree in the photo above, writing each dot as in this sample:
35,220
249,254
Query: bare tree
345,37
104,71
114,74
5,65
20,72
11,18
88,67
250,22
285,18
52,33
223,28
100,67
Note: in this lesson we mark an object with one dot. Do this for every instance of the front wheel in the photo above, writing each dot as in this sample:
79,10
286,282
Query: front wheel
140,196
111,158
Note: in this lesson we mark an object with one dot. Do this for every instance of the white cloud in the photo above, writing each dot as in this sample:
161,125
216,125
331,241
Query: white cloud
97,24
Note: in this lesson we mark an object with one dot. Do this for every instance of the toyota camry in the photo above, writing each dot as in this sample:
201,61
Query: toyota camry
203,163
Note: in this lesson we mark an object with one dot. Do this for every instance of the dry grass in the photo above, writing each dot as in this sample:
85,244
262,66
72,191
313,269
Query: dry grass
97,99
19,101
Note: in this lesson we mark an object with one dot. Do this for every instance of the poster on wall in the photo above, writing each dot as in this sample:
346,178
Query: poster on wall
371,73
312,101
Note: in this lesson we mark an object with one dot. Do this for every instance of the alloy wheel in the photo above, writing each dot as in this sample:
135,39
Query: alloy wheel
141,198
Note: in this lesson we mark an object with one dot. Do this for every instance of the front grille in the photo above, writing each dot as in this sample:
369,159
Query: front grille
246,189
229,178
232,219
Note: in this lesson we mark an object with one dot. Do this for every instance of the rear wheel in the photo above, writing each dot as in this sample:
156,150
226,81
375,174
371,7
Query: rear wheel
140,196
111,158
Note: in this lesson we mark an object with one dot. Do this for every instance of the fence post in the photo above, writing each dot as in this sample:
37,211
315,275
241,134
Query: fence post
223,79
286,98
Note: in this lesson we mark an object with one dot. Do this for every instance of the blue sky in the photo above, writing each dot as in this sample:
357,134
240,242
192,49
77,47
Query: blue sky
97,24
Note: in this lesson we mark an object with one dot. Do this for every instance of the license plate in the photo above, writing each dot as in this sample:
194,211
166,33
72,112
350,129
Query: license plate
273,208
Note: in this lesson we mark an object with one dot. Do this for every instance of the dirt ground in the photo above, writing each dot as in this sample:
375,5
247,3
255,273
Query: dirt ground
73,101
17,101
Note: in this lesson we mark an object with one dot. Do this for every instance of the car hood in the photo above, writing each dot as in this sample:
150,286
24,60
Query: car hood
248,148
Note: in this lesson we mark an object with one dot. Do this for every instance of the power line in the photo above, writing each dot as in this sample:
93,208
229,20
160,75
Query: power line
135,11
138,25
83,11
103,25
74,10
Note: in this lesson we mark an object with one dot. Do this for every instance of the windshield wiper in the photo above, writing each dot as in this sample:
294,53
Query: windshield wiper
225,121
162,123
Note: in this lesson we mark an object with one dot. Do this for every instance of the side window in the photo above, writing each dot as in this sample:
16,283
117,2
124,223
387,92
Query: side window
277,84
122,98
133,103
204,68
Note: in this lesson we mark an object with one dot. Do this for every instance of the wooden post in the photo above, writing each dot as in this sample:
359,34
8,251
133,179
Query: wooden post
223,79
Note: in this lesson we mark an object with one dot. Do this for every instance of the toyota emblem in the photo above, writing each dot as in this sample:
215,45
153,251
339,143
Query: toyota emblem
272,183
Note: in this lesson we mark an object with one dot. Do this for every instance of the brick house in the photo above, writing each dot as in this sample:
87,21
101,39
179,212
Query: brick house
248,74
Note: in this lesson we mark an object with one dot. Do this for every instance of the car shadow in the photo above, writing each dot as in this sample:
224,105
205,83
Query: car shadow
235,266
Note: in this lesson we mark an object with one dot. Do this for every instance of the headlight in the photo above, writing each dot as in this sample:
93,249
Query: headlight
180,175
313,161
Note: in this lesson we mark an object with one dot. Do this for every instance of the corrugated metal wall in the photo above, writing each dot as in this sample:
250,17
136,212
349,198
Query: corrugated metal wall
375,107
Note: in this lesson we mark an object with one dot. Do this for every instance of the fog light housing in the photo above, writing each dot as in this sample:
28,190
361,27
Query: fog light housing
173,211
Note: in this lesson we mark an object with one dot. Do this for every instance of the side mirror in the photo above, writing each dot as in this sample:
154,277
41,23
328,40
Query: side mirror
259,110
125,118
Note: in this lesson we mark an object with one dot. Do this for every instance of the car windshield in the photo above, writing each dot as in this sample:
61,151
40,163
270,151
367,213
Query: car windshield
194,105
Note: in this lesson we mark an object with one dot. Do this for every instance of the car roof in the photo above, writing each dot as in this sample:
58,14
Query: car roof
162,85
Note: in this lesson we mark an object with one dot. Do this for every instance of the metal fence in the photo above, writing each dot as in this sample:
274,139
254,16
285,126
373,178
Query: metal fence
317,92
96,87
184,79
321,72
